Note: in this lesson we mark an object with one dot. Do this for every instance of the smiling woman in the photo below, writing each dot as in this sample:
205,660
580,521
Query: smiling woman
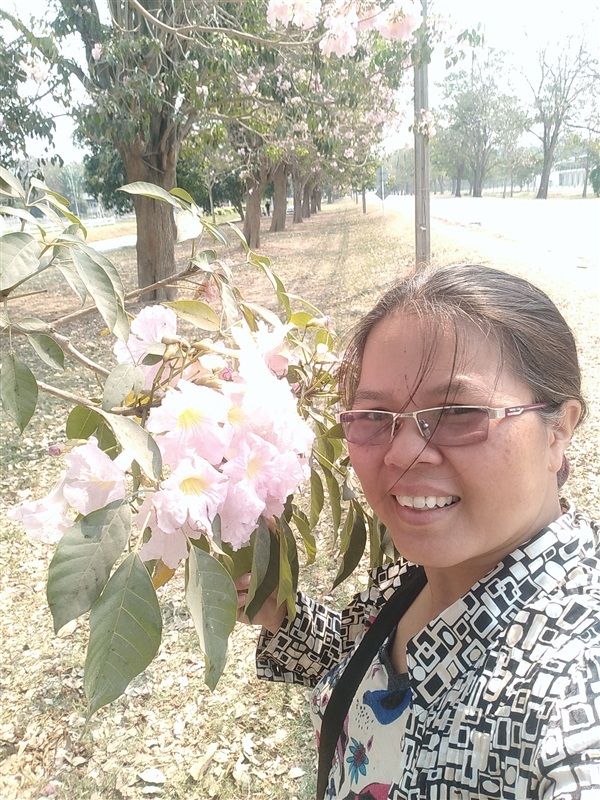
466,669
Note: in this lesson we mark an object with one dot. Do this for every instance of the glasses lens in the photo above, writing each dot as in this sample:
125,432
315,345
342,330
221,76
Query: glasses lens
367,427
455,425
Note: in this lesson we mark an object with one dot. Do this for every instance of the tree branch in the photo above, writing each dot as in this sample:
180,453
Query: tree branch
235,34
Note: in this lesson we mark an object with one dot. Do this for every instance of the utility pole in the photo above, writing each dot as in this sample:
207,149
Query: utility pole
422,211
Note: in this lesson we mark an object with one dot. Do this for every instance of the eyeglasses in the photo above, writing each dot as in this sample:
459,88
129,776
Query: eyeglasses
448,426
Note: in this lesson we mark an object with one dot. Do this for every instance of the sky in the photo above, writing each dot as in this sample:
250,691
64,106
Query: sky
518,27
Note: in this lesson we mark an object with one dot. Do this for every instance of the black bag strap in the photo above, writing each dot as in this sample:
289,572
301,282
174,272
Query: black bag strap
345,689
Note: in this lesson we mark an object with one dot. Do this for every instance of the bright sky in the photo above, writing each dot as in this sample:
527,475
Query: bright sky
519,27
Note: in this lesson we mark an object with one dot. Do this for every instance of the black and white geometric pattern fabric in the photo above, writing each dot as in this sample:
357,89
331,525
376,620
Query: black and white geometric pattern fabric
504,684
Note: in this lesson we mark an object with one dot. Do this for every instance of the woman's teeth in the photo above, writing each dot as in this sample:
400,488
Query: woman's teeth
427,502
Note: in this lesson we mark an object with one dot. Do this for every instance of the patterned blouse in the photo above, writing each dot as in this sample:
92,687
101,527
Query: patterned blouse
502,696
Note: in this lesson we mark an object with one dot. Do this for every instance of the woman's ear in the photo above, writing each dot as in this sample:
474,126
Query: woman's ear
560,433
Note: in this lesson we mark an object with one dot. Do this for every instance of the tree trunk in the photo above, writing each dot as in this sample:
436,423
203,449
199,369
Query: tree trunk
364,199
459,174
156,230
256,187
306,202
319,196
280,183
298,186
314,201
212,203
586,176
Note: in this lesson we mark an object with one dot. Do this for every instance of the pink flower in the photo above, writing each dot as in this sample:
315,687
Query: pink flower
44,520
306,13
341,34
147,332
280,11
240,514
96,51
192,419
171,547
92,480
272,408
270,343
398,21
193,494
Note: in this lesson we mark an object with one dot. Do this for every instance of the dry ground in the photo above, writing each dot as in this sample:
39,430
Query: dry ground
168,736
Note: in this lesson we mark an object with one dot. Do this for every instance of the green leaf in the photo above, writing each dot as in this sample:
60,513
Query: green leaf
212,599
38,184
241,560
19,259
106,440
263,263
183,195
69,273
265,569
125,633
288,569
151,190
10,185
21,214
353,554
124,378
214,232
53,200
82,423
47,349
98,284
83,560
335,499
33,324
18,390
239,235
310,545
198,313
317,497
300,319
229,300
264,313
131,436
204,258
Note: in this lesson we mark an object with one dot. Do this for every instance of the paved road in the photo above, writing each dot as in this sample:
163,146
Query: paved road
106,245
565,233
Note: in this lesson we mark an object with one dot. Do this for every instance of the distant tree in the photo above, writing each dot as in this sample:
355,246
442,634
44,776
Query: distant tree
21,118
558,90
474,115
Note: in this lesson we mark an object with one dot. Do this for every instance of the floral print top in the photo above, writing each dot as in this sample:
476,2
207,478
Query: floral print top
368,754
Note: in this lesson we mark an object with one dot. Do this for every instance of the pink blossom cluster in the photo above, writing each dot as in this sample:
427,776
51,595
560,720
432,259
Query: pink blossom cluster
232,442
344,19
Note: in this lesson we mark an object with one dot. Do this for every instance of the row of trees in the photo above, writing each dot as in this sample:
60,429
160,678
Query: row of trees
215,88
482,125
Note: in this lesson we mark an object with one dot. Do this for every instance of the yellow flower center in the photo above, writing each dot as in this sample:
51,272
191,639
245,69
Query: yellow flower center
189,418
254,467
235,415
194,485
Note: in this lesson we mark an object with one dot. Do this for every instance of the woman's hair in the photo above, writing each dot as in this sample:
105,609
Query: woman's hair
534,340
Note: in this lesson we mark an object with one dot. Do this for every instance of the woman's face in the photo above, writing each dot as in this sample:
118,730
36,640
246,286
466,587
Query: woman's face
503,490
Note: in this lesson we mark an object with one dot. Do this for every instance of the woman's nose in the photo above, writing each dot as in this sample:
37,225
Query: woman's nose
408,447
